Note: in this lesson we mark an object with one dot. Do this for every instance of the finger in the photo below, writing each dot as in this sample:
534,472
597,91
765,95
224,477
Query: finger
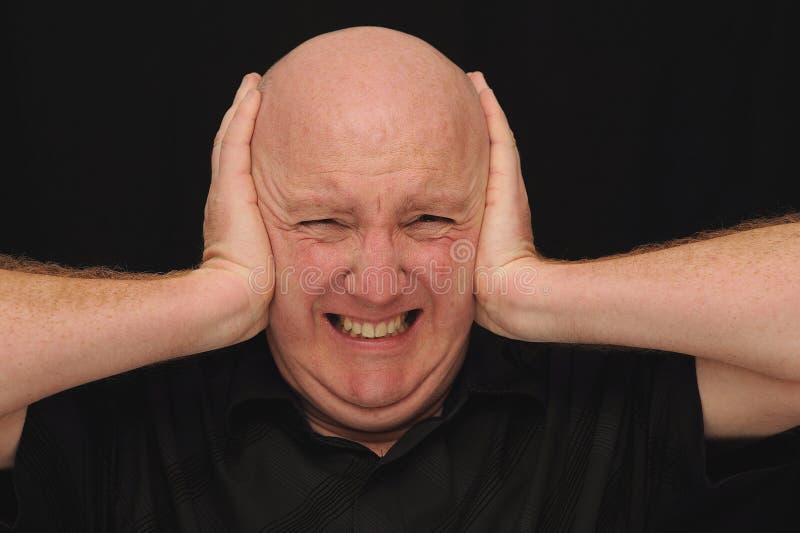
504,158
249,81
234,161
478,81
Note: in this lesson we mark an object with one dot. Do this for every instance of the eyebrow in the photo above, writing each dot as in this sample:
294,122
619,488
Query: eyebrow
304,211
438,202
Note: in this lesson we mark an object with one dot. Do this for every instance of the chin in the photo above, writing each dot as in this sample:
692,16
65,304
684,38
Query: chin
381,391
397,416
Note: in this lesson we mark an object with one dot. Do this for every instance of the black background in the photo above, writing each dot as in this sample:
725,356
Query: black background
637,122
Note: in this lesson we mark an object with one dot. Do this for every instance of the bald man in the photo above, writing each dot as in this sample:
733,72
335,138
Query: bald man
366,208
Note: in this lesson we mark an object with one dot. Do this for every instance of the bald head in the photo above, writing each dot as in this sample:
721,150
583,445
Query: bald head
367,93
370,155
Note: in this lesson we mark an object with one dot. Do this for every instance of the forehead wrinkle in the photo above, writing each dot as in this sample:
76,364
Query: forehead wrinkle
267,172
330,152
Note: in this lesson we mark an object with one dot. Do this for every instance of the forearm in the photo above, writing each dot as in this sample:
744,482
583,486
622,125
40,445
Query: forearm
60,332
734,299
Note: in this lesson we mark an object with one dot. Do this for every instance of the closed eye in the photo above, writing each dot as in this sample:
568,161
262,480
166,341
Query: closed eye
433,219
320,222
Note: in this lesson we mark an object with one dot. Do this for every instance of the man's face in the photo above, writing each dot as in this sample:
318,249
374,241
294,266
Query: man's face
373,208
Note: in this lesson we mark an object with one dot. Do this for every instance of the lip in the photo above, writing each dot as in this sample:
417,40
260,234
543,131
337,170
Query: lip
380,343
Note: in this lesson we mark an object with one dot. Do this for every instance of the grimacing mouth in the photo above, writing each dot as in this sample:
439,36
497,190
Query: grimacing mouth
373,330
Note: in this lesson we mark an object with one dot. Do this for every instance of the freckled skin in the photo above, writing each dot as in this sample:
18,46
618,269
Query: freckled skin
367,130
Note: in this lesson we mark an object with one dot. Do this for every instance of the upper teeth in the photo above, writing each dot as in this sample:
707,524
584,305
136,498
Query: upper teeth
371,330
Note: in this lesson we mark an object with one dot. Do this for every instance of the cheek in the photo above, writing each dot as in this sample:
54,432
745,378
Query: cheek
304,270
445,270
294,256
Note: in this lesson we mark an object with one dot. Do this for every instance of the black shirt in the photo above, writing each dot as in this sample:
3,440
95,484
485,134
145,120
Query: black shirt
533,437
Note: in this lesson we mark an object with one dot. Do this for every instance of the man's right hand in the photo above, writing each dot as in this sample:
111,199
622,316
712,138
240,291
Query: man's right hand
236,241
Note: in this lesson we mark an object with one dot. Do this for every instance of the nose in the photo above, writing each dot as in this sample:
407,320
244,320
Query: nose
376,275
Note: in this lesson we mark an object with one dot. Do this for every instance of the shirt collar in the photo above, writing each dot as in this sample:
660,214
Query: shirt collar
493,366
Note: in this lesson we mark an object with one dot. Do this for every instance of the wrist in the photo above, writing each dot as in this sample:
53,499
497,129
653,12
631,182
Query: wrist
542,298
232,310
525,300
